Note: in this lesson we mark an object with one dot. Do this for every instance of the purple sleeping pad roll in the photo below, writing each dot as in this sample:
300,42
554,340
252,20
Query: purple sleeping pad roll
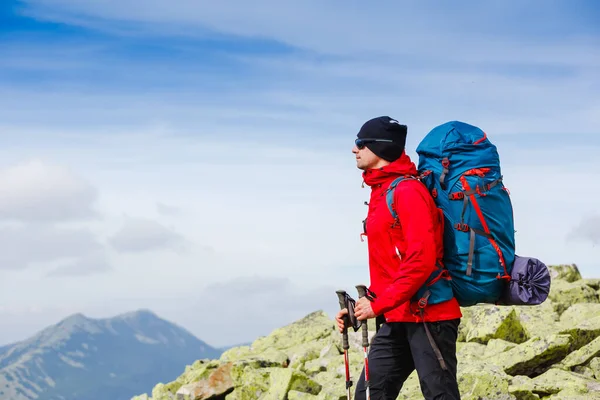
530,282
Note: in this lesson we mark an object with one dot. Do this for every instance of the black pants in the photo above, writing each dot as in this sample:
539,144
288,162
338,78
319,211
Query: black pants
399,348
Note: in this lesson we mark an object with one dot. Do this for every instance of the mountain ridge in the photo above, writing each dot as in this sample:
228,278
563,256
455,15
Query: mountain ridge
97,358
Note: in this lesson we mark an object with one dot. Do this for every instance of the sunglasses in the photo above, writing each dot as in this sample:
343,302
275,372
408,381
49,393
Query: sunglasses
361,143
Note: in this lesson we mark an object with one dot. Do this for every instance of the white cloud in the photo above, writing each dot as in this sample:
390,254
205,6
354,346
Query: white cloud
34,191
89,264
588,230
243,308
140,235
26,246
168,210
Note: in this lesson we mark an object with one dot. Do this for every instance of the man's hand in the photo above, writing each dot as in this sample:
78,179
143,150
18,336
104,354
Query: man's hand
363,310
339,318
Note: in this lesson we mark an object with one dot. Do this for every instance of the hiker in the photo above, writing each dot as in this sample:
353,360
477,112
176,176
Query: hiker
405,257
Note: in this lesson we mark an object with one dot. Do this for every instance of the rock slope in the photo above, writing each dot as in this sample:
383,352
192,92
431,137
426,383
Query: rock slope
550,351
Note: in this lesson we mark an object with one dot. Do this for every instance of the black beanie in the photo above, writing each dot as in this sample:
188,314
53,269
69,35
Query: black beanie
384,128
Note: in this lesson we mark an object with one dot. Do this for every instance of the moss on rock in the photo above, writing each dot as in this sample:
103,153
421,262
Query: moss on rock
495,322
218,384
479,380
555,380
593,283
578,313
470,351
584,332
523,388
564,294
534,355
296,395
497,346
539,320
582,355
314,326
594,365
564,272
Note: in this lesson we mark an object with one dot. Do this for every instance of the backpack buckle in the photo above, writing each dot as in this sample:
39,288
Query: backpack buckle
462,227
457,196
423,300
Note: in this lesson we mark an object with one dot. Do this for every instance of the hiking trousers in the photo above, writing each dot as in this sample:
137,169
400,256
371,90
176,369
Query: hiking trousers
399,348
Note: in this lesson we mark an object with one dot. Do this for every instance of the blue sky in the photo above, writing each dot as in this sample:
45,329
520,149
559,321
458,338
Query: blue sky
142,140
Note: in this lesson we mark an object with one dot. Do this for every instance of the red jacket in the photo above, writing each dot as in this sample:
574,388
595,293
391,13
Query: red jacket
401,259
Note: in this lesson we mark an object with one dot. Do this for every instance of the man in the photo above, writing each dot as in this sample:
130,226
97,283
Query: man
404,256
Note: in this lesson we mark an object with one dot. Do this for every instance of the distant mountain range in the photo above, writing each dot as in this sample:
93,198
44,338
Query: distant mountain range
98,359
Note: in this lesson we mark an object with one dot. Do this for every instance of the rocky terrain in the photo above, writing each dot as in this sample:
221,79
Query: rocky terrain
550,351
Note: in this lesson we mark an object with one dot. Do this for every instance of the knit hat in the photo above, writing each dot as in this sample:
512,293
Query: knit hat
384,128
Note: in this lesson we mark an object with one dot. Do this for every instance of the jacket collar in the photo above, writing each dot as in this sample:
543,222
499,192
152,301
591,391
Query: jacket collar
402,166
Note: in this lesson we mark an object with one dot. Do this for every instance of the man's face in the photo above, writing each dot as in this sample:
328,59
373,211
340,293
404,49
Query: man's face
365,158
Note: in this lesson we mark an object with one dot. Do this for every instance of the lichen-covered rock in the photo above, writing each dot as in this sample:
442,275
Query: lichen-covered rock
465,322
578,313
161,392
534,355
573,394
497,346
556,380
564,294
302,353
584,332
585,371
479,380
260,359
314,326
495,322
218,383
141,397
249,383
539,320
235,353
582,355
594,365
470,351
332,380
523,388
282,380
296,395
198,370
568,273
326,356
593,283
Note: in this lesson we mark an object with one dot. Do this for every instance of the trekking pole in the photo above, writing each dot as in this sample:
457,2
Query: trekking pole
342,298
362,292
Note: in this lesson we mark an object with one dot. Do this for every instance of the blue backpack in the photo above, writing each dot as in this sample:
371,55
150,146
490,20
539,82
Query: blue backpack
461,168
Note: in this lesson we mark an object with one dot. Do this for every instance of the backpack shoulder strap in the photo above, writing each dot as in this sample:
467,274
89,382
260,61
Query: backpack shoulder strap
389,196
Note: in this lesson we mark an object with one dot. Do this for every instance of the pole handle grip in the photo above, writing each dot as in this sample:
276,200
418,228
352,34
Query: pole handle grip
342,299
362,292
